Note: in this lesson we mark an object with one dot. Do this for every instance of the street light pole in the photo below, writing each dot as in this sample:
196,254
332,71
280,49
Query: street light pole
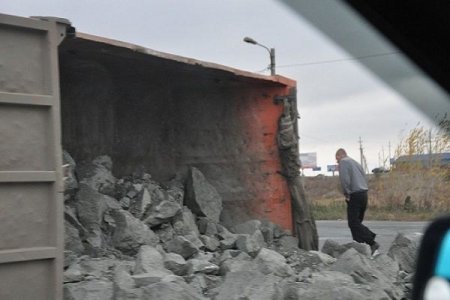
271,53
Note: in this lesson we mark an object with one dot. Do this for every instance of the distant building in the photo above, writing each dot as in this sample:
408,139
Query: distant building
423,160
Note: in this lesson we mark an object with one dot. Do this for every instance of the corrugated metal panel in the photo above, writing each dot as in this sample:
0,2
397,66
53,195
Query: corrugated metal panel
31,205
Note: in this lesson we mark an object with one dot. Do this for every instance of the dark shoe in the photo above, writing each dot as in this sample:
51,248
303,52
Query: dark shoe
374,247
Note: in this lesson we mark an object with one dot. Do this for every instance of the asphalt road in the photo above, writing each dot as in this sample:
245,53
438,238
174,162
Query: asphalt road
386,231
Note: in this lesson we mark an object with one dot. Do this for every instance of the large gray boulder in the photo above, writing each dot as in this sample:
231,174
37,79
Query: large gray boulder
165,232
184,223
130,233
404,251
175,263
248,227
97,267
211,243
72,241
96,289
70,180
272,262
91,206
182,246
267,229
170,291
331,292
387,265
324,258
250,244
161,212
335,249
98,176
300,259
151,277
201,197
228,243
364,271
249,285
287,243
234,261
139,204
148,259
207,227
73,273
124,286
331,285
196,265
205,284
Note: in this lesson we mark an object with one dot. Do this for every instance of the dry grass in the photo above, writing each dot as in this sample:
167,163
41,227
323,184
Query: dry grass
408,195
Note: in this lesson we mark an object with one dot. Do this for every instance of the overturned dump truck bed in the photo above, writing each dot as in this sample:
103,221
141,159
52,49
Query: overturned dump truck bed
162,113
149,111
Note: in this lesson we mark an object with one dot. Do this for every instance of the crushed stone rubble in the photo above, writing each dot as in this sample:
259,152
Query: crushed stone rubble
135,238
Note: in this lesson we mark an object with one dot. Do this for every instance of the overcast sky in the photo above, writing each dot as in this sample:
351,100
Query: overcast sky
338,101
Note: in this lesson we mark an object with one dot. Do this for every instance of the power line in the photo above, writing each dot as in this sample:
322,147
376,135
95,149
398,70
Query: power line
320,62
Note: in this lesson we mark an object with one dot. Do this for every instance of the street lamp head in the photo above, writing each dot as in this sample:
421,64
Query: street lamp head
250,40
271,52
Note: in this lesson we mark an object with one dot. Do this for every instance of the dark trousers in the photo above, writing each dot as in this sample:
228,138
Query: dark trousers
356,207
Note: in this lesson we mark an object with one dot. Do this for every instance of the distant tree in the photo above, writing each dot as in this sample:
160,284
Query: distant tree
425,141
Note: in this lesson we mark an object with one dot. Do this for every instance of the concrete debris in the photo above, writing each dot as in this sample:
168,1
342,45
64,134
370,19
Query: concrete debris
134,238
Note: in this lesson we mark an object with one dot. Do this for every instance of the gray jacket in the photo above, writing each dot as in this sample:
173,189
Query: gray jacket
352,176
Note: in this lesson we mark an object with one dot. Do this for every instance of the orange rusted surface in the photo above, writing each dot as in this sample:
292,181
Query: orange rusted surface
260,117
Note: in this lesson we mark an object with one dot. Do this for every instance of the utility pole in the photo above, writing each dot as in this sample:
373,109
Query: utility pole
390,155
362,158
360,151
429,149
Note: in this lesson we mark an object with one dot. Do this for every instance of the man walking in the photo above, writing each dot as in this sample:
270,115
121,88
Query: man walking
354,186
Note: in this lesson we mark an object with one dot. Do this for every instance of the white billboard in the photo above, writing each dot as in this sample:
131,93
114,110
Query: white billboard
309,160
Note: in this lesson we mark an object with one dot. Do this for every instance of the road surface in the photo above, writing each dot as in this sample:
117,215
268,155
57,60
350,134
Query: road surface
386,231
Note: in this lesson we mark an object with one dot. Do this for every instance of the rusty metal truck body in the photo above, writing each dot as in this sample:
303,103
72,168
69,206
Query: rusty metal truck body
145,109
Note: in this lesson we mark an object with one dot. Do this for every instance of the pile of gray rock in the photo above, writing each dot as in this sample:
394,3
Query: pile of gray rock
134,238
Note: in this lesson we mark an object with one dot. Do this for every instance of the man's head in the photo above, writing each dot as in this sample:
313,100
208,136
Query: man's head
340,154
